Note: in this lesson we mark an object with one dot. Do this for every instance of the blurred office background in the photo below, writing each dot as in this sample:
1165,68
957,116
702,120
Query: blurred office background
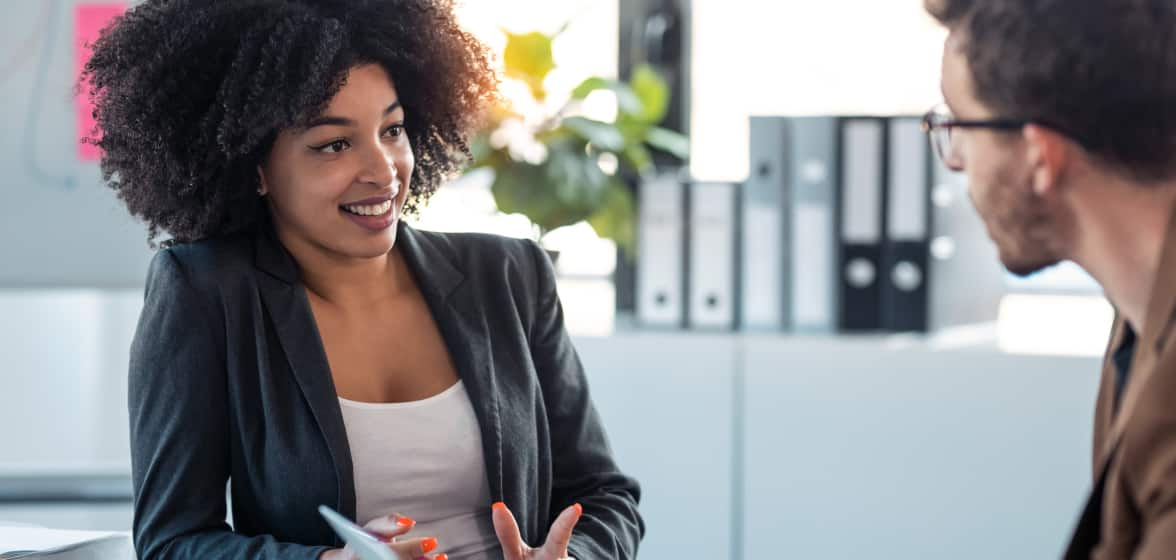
969,440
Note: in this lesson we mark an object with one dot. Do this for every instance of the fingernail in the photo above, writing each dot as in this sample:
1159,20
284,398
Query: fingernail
440,557
579,509
499,505
405,521
429,544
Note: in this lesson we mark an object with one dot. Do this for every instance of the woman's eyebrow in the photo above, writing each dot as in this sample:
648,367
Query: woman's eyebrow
330,120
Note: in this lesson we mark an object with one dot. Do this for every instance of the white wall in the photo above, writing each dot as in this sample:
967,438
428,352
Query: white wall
803,57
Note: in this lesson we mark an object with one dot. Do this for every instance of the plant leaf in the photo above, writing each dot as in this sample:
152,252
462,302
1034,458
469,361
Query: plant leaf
563,190
590,85
653,91
528,57
638,157
616,217
632,128
669,141
575,177
600,134
522,188
513,189
627,100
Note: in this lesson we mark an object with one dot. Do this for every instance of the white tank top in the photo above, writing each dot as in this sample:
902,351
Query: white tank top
424,459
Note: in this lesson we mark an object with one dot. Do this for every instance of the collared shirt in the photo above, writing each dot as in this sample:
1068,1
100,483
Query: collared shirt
1122,359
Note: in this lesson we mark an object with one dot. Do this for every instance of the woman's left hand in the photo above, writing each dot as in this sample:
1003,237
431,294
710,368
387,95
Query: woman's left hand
556,547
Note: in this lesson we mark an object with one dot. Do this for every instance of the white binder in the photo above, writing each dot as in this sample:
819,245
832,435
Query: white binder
712,234
764,288
812,150
966,281
661,250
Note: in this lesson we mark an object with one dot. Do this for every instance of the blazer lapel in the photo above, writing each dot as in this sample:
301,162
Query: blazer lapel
1150,343
454,306
1106,406
1088,531
285,300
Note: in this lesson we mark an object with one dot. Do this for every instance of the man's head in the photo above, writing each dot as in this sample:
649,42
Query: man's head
1047,96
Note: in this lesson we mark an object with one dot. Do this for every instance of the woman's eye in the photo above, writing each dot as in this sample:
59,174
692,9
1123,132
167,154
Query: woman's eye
395,130
334,147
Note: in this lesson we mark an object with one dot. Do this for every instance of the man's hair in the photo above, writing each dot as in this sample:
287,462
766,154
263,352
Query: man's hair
190,95
1103,72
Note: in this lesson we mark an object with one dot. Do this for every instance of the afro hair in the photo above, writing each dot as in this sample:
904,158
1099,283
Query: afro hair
189,96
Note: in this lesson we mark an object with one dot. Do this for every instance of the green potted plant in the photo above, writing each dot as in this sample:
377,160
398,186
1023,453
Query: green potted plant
559,167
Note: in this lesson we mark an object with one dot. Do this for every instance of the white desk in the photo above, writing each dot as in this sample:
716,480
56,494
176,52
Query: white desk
53,544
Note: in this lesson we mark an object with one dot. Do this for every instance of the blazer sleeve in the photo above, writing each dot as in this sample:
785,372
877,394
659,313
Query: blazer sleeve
178,426
584,471
1149,460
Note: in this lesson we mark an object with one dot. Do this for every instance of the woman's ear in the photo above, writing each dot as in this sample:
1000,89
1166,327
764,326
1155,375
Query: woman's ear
262,184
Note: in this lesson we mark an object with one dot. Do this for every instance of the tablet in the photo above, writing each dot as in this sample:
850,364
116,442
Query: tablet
366,546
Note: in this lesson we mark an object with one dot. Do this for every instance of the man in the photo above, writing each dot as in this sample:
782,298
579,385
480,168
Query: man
1063,115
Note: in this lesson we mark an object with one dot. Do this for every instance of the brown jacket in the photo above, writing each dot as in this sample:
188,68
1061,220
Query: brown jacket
1132,510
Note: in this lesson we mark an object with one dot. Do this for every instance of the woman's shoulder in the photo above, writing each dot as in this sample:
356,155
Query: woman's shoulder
474,249
498,263
206,263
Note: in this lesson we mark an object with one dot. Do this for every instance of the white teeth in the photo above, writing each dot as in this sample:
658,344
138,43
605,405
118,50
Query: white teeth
370,209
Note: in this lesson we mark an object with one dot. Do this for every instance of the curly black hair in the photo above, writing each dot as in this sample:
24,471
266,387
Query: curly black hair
189,96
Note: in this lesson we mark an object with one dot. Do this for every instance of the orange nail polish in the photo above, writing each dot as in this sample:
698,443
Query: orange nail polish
579,509
499,505
405,521
429,545
441,557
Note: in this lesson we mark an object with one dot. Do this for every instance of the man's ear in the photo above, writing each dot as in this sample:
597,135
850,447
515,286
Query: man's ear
1048,154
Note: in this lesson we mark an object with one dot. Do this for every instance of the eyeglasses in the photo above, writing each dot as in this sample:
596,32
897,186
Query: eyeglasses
940,125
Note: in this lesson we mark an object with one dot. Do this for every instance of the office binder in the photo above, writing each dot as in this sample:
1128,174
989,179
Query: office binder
967,281
861,222
811,275
713,237
764,274
661,239
905,253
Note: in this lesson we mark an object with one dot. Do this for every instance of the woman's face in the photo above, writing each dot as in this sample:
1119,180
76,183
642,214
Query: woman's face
338,186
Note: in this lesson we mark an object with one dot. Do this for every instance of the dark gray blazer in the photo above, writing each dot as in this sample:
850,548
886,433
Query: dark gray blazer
229,381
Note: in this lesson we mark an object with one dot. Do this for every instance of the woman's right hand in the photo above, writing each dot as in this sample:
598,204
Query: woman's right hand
389,528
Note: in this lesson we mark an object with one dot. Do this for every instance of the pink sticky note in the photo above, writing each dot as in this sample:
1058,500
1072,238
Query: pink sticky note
89,19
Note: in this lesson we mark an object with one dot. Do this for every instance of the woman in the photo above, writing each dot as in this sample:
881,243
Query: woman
298,341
